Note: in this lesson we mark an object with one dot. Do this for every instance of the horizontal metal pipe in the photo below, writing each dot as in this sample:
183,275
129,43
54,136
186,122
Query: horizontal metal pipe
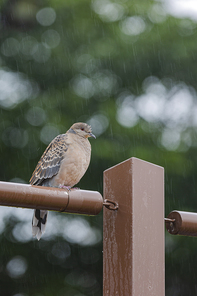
185,223
47,198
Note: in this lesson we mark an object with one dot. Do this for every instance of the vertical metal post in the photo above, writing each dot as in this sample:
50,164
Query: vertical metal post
133,235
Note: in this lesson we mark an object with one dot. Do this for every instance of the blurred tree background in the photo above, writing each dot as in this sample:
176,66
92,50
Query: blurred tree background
129,69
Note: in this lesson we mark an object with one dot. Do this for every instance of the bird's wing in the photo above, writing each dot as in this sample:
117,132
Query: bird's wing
49,163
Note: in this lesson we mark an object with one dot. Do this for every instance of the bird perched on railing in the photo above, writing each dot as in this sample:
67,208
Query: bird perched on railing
62,165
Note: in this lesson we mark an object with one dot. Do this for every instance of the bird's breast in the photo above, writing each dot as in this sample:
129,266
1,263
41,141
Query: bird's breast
74,164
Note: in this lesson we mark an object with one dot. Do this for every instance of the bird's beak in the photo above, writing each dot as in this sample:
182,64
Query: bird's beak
92,135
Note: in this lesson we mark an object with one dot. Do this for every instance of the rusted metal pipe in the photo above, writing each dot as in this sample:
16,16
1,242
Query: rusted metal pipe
54,199
183,223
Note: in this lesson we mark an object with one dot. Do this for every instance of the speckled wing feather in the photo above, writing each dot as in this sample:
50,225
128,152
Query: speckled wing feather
49,163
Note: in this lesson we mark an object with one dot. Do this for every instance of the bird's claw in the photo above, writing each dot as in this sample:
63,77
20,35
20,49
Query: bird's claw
69,188
65,187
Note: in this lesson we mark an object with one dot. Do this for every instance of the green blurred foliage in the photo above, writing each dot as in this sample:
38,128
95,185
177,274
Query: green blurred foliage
68,61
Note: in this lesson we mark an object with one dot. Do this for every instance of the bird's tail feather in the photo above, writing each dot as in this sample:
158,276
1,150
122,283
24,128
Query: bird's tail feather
39,223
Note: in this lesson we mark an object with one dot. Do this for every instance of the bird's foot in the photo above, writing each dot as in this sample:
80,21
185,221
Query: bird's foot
65,187
76,188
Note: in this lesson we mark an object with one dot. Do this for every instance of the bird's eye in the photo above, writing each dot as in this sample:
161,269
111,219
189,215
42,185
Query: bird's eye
82,129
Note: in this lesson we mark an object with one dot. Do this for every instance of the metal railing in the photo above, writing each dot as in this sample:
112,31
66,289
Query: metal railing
54,199
133,222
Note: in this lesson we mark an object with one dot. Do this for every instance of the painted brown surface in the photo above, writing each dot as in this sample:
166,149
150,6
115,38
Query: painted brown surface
133,235
44,198
185,223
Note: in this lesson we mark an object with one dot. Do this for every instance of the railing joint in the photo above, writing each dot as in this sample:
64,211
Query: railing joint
110,204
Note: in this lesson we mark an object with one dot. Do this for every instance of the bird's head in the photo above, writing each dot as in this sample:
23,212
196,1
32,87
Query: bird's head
82,129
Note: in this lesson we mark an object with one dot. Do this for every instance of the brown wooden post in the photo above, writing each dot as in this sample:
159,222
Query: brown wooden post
133,235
